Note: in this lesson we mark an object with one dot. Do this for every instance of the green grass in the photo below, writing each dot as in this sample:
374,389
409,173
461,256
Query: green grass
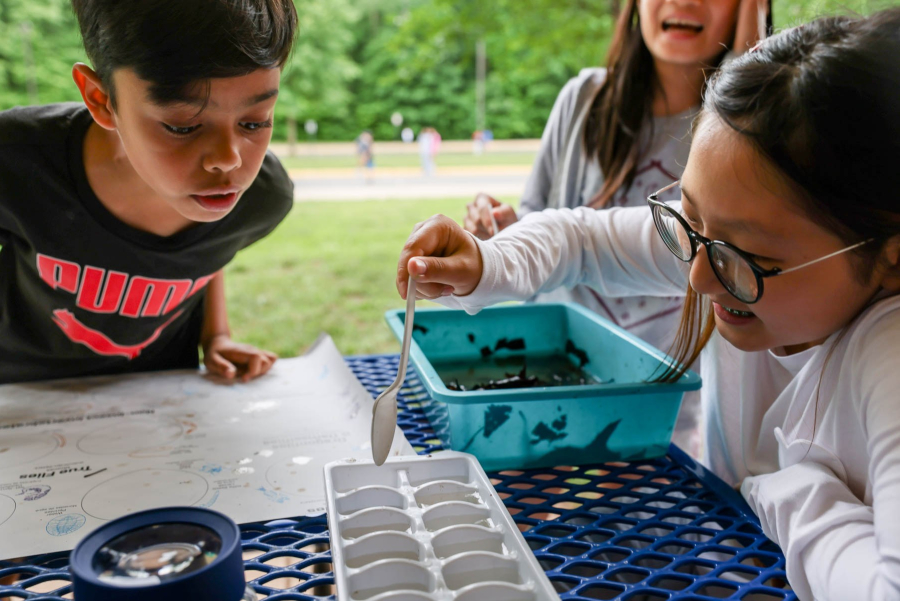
329,267
455,159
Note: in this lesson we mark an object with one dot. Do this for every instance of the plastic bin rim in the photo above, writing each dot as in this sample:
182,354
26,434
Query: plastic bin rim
689,381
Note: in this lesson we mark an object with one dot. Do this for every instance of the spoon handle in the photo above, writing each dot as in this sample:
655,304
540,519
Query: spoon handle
407,329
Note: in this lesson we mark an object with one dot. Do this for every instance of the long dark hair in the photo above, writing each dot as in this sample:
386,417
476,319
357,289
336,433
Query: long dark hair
819,103
623,107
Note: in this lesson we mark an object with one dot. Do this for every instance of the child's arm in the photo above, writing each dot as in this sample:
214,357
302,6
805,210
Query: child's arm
827,535
617,252
221,354
837,546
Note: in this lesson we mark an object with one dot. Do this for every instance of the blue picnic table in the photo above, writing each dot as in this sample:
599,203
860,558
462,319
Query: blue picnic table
648,530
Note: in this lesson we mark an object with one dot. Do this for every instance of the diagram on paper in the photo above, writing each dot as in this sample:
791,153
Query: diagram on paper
76,454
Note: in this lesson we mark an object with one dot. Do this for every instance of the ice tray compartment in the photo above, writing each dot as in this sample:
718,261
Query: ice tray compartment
454,471
464,539
370,496
494,591
476,568
369,474
455,514
389,577
545,426
439,533
443,492
382,546
379,519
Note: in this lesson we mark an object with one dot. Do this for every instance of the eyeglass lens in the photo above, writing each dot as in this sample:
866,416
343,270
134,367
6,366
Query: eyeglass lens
735,273
731,268
673,233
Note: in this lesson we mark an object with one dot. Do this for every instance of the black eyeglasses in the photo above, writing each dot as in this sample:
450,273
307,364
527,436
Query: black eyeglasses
734,268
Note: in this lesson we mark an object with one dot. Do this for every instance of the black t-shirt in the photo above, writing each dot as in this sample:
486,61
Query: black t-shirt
82,293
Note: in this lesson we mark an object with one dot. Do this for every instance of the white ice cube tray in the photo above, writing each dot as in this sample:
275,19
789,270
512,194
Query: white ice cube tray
426,529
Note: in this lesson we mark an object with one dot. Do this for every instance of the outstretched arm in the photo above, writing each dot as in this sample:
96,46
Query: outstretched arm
617,252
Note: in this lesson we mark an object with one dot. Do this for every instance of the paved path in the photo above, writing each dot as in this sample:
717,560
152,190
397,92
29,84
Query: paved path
305,149
408,183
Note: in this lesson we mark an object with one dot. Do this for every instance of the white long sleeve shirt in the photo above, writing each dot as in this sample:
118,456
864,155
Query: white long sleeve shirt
814,438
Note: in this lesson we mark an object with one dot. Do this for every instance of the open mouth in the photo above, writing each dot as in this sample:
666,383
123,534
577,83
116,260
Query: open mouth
216,202
682,25
736,312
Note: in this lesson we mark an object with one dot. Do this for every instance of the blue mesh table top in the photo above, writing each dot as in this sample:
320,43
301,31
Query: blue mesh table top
643,531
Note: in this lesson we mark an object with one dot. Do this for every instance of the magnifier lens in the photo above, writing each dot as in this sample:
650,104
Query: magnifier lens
165,554
156,553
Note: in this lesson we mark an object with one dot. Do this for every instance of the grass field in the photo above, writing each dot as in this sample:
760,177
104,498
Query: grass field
328,267
448,159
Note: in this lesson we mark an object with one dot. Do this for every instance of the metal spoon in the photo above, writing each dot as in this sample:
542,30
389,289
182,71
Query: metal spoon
384,412
494,224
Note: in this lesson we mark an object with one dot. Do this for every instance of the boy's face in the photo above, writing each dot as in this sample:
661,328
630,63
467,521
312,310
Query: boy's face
198,157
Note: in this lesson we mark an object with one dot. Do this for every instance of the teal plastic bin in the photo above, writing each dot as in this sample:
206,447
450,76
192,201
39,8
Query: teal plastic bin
622,418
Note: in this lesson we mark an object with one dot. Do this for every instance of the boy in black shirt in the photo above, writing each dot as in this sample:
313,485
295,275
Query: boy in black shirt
118,216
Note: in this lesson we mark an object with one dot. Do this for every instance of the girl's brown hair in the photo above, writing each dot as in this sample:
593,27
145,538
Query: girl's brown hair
623,107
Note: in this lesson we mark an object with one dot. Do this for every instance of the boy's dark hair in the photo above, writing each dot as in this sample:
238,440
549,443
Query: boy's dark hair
819,104
176,45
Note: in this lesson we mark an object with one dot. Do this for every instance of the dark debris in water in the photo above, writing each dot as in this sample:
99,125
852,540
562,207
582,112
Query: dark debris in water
523,379
516,344
574,350
418,328
519,380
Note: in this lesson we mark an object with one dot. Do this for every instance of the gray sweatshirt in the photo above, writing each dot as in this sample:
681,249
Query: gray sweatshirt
564,177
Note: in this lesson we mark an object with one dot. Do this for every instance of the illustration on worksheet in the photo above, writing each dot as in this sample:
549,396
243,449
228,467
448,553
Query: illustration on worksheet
75,454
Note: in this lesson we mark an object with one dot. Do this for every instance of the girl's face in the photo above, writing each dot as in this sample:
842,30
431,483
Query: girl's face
729,193
687,32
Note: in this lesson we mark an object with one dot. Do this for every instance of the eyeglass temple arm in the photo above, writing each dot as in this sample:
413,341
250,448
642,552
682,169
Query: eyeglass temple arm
834,254
667,188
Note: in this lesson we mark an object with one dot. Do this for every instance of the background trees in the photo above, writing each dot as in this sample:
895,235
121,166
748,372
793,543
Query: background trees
358,61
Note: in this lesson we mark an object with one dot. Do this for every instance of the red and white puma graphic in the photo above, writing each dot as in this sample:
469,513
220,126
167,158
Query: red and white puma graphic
99,342
101,292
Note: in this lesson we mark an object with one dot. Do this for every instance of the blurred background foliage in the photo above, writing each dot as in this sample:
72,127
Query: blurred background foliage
357,62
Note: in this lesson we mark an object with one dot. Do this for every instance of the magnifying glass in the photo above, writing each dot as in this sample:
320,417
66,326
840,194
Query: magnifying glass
172,553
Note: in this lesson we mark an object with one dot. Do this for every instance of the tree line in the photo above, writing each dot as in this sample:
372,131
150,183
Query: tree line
357,62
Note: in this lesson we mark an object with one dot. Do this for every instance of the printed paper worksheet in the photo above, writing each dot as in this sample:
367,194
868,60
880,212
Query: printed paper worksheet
77,453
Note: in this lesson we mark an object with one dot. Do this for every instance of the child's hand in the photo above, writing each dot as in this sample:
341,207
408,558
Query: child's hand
478,216
442,258
225,357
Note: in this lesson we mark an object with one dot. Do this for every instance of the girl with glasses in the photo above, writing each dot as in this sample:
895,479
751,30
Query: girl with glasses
785,242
